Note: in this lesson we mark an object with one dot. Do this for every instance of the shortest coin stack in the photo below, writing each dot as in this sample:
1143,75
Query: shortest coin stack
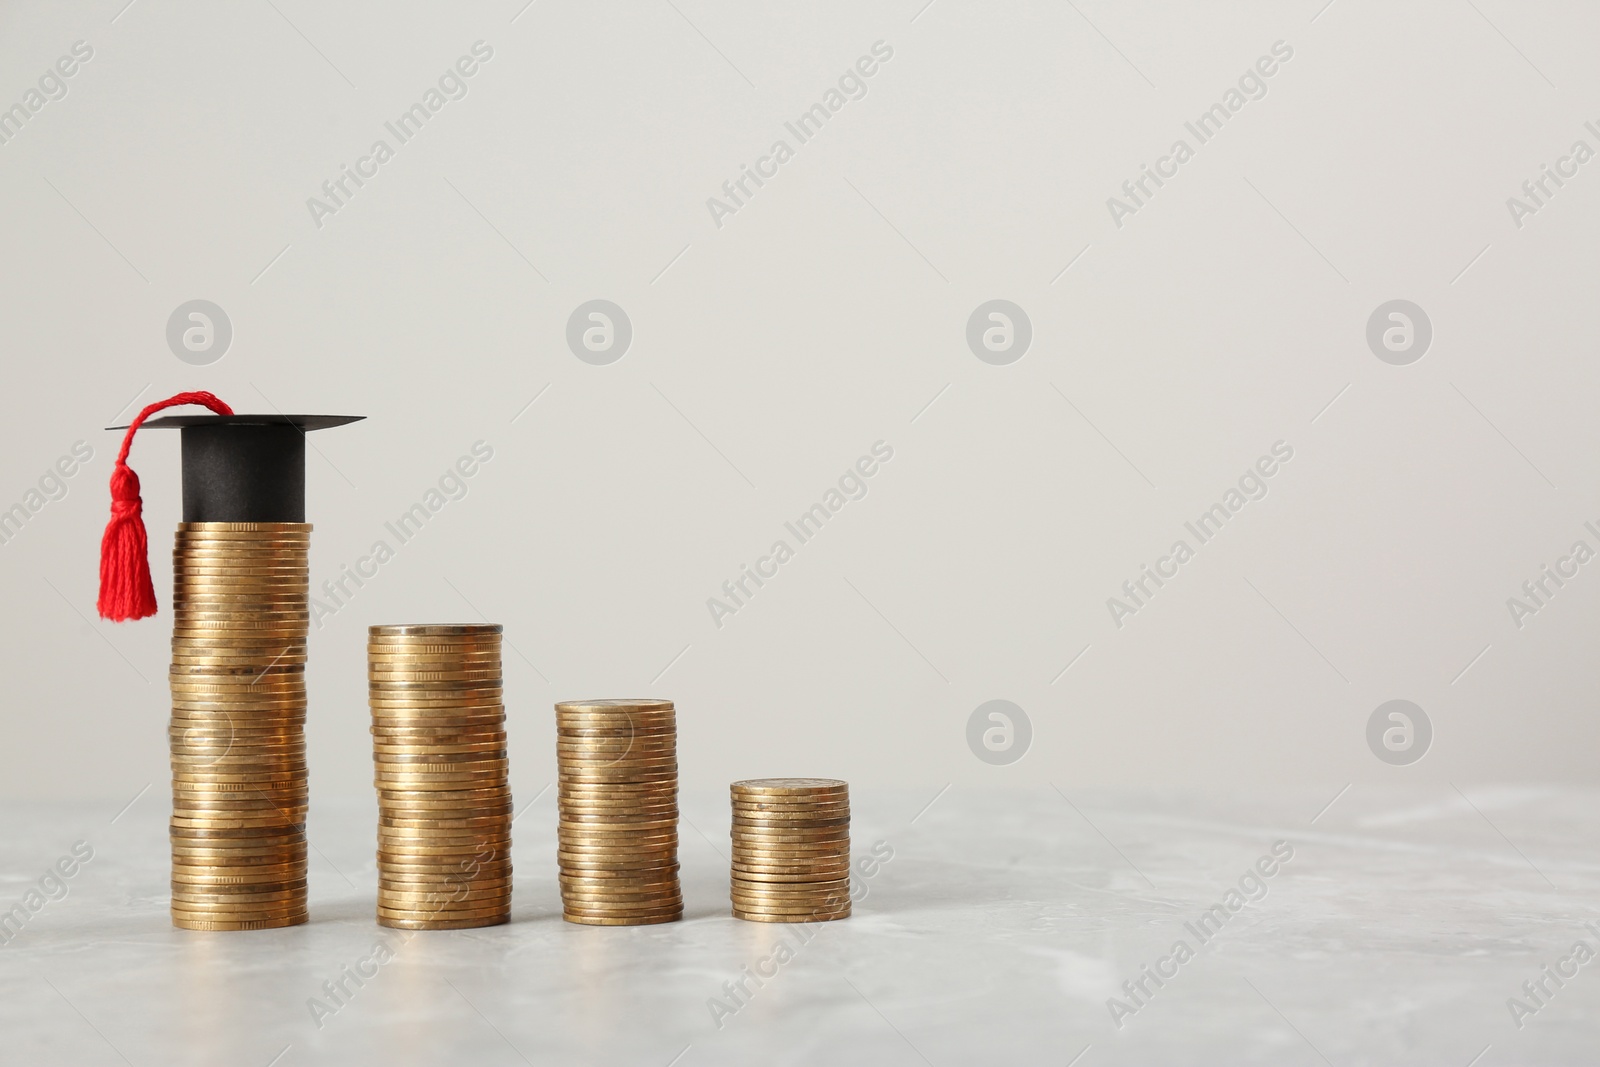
444,798
791,849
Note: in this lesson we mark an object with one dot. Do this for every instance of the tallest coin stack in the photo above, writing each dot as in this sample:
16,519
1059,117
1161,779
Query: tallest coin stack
239,783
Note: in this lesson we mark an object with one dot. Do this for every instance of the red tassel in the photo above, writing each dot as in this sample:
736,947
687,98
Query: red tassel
125,588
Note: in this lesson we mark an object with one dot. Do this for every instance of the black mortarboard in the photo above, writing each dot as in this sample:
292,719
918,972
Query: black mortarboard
236,468
245,468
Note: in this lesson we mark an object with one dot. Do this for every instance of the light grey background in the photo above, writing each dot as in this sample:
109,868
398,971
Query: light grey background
830,313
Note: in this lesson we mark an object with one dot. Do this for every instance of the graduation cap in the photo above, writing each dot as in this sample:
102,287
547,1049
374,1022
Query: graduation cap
236,468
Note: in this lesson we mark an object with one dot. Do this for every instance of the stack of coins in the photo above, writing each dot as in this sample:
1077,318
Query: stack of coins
239,784
444,796
618,835
791,849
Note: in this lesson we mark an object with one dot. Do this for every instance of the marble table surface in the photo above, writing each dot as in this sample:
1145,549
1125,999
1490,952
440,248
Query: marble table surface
1385,927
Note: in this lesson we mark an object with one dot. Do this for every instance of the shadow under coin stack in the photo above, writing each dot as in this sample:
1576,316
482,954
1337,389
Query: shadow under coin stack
444,795
239,784
791,849
618,835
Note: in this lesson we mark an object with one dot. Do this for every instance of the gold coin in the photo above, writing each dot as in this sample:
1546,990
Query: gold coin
251,623
192,681
596,920
610,834
388,752
264,704
380,654
435,800
442,881
394,732
397,900
791,912
792,863
459,858
400,698
574,862
456,888
790,786
610,735
582,863
221,822
788,890
791,895
443,885
625,909
256,661
287,811
419,847
237,875
238,918
496,834
442,924
617,758
441,647
768,829
621,910
645,762
608,706
620,775
437,783
444,725
665,872
470,629
579,852
396,866
797,912
786,807
806,861
490,822
426,757
609,732
636,815
193,753
422,783
656,887
390,732
570,845
614,733
262,924
189,767
217,527
456,640
580,827
382,678
286,833
201,815
189,575
787,877
790,835
231,911
261,903
186,558
437,875
490,911
619,892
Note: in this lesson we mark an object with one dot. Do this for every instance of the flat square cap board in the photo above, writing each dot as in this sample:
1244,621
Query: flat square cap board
244,468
